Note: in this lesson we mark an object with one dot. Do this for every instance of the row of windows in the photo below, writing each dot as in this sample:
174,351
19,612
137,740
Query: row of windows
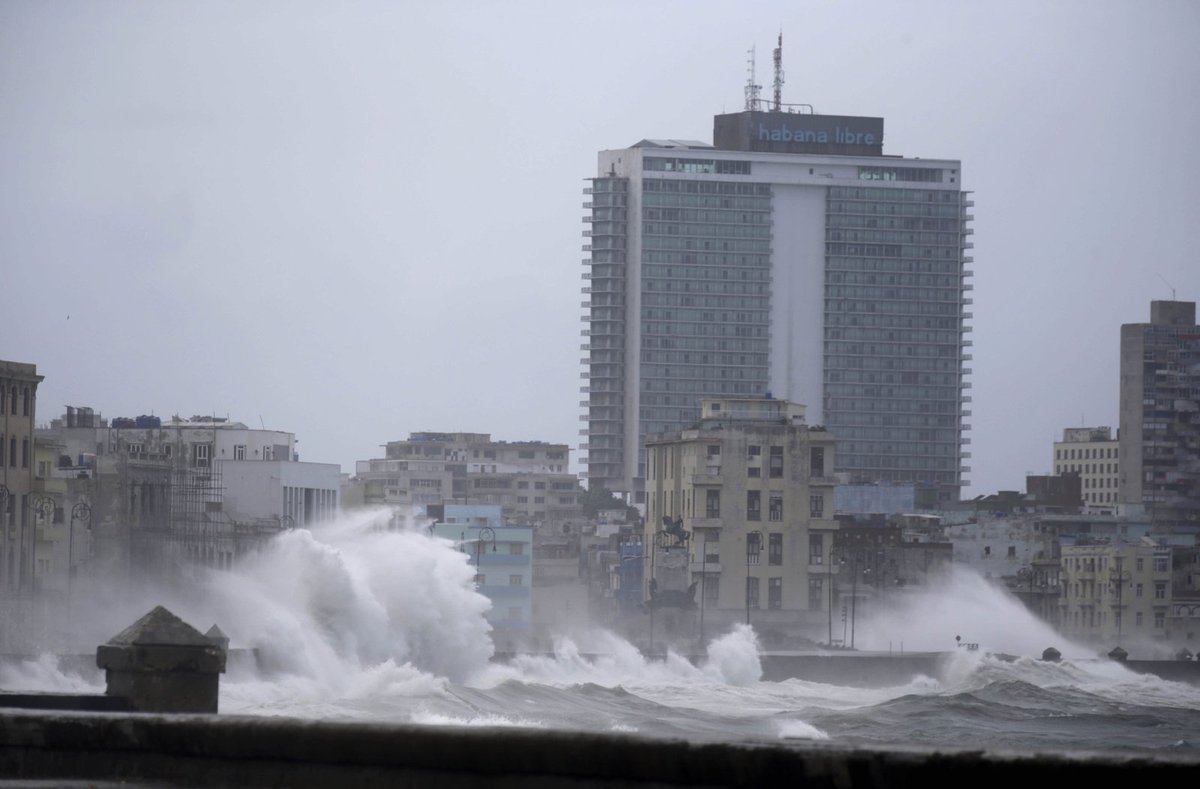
890,369
894,209
902,236
761,246
762,230
723,359
897,420
705,330
924,174
727,301
734,203
884,321
26,400
848,263
907,379
705,260
705,216
1088,453
1086,468
705,187
677,165
893,223
839,404
894,195
891,251
903,280
838,352
911,467
935,308
703,343
14,460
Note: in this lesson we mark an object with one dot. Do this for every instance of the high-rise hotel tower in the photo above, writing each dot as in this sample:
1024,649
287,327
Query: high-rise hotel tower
790,258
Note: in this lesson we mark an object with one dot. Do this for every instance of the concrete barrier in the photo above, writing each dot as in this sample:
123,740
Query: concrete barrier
215,751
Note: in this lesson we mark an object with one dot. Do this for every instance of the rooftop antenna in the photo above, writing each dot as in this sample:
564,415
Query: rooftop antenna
1169,285
779,74
752,87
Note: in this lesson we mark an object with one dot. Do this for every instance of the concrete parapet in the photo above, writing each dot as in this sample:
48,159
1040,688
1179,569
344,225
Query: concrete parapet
162,664
201,750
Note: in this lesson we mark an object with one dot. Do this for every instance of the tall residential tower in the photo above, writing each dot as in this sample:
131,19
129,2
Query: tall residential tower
1160,413
791,257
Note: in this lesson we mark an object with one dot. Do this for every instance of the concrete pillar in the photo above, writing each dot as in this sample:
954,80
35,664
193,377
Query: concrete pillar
162,664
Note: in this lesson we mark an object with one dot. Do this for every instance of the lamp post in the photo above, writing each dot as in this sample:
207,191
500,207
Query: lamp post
703,584
753,549
853,594
1120,577
484,533
1027,574
83,513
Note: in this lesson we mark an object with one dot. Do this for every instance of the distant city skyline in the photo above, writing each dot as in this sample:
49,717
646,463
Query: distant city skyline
358,221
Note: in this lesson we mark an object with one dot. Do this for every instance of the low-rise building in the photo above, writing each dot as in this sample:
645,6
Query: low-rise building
1116,593
1093,454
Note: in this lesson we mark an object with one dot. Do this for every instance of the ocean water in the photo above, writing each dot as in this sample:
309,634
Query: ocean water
359,624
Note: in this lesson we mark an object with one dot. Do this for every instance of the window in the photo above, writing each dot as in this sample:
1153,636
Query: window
200,455
816,461
25,402
514,580
1160,590
1160,620
239,451
522,499
714,451
775,548
1138,619
816,506
816,593
775,506
1012,551
753,547
774,593
516,549
1138,590
1160,564
776,463
816,549
539,499
12,451
754,451
754,472
753,505
24,453
712,504
1141,564
712,588
752,593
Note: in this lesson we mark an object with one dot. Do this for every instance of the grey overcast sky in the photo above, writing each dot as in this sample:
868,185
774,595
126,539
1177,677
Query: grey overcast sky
354,220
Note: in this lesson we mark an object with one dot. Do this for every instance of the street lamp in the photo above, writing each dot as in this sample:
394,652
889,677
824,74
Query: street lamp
665,540
1120,577
703,584
753,549
83,513
485,533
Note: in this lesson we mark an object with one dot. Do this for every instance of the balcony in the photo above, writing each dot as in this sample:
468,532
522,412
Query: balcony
710,477
710,568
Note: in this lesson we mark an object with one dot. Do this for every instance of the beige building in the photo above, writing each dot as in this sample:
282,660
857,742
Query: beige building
1116,594
1092,453
745,497
528,479
18,399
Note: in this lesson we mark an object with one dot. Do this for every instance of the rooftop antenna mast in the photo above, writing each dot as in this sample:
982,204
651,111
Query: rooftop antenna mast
779,74
752,87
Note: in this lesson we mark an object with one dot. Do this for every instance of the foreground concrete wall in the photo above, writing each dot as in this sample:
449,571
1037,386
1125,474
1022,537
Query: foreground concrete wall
199,750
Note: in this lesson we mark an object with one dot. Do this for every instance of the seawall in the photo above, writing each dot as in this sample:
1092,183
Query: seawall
142,750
